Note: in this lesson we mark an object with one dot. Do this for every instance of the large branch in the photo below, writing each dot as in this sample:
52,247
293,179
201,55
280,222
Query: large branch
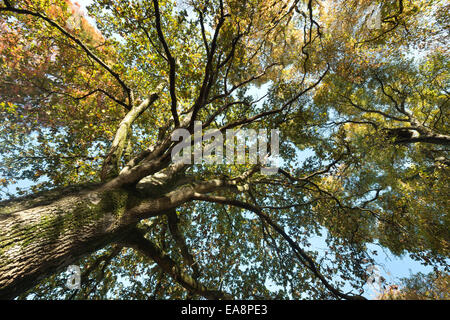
137,240
208,79
173,222
172,64
407,135
42,236
112,162
300,253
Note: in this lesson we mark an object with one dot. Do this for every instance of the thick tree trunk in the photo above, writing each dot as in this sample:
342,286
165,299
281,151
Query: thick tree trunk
43,235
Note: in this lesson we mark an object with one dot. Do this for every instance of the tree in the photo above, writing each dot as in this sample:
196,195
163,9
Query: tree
93,133
419,286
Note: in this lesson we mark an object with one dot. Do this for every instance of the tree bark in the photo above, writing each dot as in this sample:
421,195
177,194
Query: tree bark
41,236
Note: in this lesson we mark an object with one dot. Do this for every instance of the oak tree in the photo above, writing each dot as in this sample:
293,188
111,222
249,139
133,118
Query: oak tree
89,103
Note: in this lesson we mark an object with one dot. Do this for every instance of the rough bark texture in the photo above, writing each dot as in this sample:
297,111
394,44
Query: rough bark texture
39,238
42,235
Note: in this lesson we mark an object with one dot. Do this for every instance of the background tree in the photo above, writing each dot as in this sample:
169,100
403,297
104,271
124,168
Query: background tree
419,286
89,114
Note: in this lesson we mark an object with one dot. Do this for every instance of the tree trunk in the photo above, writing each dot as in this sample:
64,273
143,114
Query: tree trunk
41,236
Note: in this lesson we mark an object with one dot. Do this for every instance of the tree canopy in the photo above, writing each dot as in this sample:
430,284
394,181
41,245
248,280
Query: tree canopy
419,286
358,89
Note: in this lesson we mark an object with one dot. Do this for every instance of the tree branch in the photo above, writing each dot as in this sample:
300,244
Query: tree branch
137,240
300,253
172,64
112,162
209,75
173,222
83,46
